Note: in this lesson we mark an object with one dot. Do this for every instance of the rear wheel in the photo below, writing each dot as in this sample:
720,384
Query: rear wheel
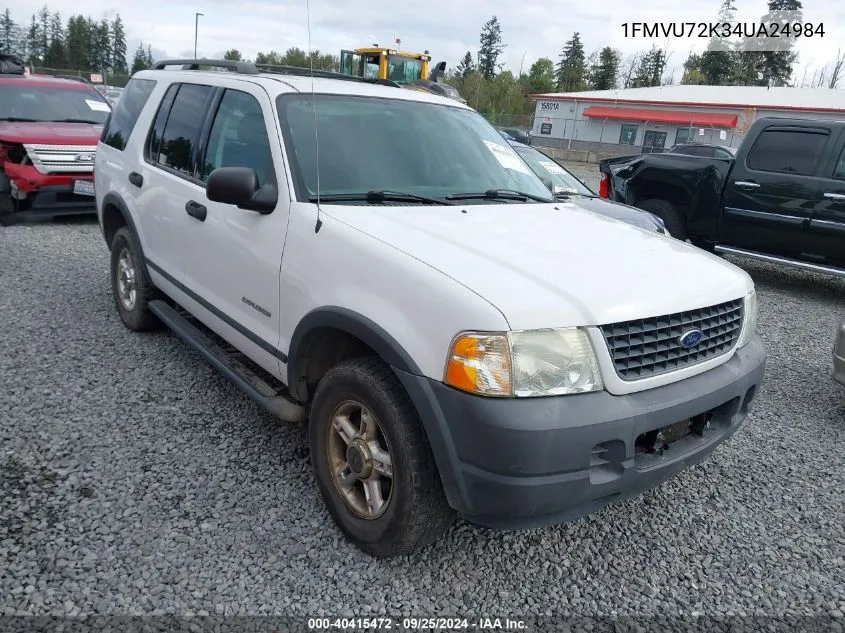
131,288
666,211
373,463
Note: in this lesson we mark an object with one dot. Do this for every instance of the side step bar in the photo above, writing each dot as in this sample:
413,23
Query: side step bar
774,259
272,399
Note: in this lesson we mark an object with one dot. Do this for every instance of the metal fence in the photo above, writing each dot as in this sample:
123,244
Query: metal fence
94,76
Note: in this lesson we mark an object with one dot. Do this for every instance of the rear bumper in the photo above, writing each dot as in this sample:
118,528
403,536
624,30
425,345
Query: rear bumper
521,463
839,355
45,204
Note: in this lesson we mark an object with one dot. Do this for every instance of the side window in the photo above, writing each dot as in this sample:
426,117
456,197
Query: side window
721,153
238,137
682,136
182,130
839,170
787,151
157,130
121,122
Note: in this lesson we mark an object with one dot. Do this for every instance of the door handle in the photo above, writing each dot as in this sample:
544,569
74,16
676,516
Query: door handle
835,196
136,179
747,184
196,210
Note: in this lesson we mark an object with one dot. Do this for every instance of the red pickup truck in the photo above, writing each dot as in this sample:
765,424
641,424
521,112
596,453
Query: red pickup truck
49,128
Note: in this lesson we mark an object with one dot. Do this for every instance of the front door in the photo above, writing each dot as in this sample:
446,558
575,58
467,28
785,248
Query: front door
653,142
827,226
772,189
236,254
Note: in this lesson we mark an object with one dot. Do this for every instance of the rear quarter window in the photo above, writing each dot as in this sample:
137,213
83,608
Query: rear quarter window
119,126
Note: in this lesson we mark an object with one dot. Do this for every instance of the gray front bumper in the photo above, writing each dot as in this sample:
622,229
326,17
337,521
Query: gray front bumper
527,462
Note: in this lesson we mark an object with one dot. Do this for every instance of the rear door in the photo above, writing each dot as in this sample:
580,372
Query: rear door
167,171
771,192
827,226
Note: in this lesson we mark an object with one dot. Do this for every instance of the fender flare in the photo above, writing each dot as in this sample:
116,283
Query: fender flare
112,199
353,323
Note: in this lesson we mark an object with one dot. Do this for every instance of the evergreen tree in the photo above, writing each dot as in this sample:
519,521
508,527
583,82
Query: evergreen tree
8,32
605,72
776,66
491,48
465,66
139,61
649,70
233,54
717,65
118,46
692,71
55,56
44,31
149,56
572,69
34,41
77,42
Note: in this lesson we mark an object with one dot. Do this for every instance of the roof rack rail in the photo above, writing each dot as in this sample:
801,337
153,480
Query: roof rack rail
71,77
300,71
242,68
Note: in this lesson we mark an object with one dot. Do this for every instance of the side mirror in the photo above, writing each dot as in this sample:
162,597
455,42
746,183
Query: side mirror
239,186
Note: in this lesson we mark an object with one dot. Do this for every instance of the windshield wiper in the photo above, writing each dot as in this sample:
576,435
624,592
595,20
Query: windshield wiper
75,121
19,119
379,196
498,194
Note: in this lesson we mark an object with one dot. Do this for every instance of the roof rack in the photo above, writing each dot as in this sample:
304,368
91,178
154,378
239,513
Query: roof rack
248,68
325,74
242,68
71,77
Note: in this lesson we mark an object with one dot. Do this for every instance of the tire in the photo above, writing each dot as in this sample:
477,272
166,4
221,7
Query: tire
415,511
666,211
134,310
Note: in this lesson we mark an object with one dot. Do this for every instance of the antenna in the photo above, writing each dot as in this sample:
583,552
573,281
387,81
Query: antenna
314,107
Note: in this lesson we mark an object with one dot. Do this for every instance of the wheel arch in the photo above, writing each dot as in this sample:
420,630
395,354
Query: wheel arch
331,322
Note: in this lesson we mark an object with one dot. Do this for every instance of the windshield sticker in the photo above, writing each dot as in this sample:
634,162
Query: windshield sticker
98,106
507,158
552,167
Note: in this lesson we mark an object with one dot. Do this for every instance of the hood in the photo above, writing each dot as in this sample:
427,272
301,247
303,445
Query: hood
554,265
50,133
617,211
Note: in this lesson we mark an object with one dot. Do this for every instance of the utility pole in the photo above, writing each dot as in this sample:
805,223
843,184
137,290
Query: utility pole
196,30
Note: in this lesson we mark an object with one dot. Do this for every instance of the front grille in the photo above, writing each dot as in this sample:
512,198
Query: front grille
650,347
53,159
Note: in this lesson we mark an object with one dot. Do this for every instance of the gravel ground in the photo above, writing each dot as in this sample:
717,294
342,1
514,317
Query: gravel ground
135,479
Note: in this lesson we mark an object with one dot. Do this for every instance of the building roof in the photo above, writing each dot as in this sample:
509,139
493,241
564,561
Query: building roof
805,99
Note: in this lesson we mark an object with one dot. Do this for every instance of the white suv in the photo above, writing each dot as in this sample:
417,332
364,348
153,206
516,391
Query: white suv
381,262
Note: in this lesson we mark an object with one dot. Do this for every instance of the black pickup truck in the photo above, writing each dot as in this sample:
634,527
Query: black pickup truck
782,199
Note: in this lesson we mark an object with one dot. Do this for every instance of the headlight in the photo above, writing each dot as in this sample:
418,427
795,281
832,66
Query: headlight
523,364
749,323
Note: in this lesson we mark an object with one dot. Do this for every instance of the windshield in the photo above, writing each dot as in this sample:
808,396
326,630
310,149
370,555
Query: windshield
369,143
50,103
550,171
403,69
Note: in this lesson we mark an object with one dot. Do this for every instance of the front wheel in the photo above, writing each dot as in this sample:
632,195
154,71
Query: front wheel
666,211
373,463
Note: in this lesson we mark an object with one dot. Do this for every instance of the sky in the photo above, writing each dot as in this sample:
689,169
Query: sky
447,28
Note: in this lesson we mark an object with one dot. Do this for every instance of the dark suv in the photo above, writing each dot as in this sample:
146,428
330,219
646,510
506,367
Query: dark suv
49,128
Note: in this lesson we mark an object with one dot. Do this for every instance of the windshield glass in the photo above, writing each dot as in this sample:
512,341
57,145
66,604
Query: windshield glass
369,143
403,69
549,170
49,103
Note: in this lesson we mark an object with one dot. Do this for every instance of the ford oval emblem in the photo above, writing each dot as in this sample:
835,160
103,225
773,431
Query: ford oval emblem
690,338
84,158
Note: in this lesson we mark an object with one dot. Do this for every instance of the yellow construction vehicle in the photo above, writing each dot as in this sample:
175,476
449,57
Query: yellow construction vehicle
410,70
